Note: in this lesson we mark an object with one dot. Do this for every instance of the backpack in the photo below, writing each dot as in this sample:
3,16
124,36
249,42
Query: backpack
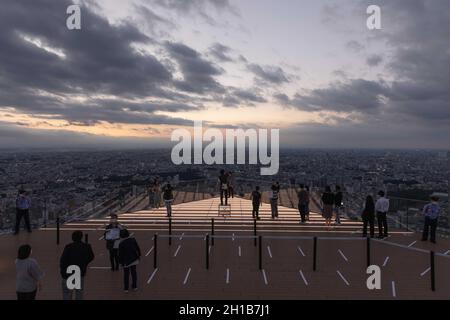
168,194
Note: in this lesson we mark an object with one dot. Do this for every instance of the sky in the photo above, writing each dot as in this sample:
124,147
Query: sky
138,69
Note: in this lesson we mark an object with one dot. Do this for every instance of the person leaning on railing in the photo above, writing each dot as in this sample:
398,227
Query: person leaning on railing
431,212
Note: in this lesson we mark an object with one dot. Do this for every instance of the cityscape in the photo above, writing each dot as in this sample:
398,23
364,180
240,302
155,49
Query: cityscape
60,183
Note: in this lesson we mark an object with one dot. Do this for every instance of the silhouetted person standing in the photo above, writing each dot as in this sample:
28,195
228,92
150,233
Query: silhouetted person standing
223,185
274,194
307,205
368,216
338,199
23,204
231,184
168,198
129,256
78,254
28,275
431,212
382,208
303,203
256,202
327,202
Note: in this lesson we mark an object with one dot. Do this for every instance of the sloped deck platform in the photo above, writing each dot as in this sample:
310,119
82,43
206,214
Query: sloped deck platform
234,273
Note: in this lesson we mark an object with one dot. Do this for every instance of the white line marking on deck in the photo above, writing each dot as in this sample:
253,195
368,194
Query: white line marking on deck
411,244
342,255
301,251
101,238
394,293
176,252
187,276
152,275
265,277
149,251
182,235
99,268
385,261
232,238
303,277
270,252
228,276
240,251
425,272
342,277
447,252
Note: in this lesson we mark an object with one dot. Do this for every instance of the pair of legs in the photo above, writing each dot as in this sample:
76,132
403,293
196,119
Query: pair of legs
69,293
114,259
430,227
382,224
274,208
26,295
337,211
26,216
328,215
255,211
231,191
224,194
126,277
302,209
369,222
169,208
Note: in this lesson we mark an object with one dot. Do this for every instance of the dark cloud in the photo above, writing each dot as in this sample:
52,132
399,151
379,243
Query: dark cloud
243,97
198,73
220,52
374,60
268,74
98,60
356,95
354,46
200,7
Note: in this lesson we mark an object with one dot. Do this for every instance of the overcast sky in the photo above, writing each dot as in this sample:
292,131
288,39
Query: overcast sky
140,68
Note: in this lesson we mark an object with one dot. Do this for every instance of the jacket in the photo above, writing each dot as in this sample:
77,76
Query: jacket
129,251
76,253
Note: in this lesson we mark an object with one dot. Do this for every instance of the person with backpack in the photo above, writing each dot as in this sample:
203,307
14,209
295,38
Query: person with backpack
274,194
256,202
368,216
338,203
431,212
112,237
28,274
78,254
129,256
223,183
23,204
303,203
168,198
327,206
